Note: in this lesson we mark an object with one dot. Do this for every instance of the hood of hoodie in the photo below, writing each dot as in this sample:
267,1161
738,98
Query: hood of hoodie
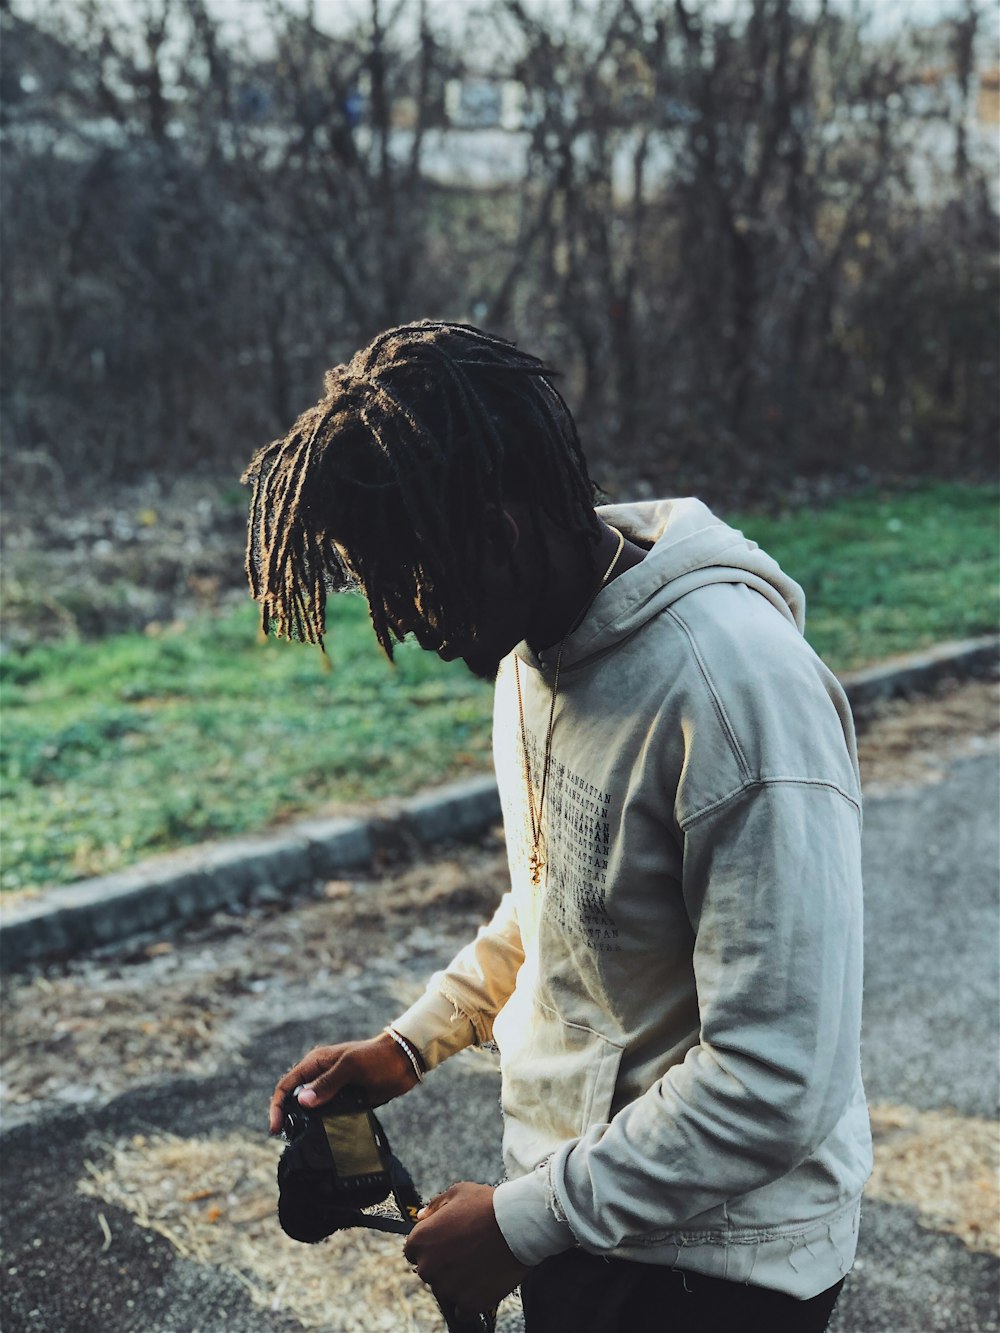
688,548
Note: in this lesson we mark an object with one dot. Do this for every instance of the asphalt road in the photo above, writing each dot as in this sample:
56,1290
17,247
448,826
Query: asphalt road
931,1042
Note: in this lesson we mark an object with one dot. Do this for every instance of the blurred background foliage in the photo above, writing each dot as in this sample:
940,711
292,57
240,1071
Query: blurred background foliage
759,239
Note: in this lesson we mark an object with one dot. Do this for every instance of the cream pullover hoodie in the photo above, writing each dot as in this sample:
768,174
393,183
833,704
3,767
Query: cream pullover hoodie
677,1005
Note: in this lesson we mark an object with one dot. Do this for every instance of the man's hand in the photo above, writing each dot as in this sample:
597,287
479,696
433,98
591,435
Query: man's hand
458,1249
378,1066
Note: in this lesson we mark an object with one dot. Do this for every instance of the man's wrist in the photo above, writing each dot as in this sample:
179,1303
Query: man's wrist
435,1028
410,1050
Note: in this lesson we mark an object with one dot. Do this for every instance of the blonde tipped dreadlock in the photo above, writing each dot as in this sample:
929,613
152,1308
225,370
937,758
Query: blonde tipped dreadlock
385,483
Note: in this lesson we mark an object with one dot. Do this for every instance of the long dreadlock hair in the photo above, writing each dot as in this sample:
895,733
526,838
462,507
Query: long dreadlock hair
385,484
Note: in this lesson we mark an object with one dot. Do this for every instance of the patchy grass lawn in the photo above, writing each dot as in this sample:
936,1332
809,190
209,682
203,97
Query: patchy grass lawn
119,748
887,574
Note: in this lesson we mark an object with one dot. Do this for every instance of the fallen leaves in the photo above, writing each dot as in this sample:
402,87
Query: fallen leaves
945,1165
186,1006
913,741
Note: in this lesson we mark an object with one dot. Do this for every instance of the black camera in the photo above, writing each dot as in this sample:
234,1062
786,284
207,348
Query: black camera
338,1169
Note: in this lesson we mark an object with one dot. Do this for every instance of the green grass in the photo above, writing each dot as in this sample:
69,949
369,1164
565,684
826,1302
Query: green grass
886,574
117,749
131,745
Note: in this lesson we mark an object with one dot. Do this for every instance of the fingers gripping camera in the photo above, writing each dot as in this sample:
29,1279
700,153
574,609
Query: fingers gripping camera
339,1171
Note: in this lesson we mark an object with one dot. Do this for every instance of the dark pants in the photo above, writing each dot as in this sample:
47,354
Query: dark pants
576,1292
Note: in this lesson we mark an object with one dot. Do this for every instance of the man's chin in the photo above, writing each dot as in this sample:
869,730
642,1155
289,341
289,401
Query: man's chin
482,665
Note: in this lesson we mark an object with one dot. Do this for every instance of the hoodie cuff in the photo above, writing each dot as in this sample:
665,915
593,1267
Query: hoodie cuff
436,1027
524,1214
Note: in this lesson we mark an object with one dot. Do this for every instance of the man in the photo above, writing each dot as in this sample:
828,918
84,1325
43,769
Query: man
674,978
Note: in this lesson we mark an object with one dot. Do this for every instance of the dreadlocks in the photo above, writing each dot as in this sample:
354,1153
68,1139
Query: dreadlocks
385,483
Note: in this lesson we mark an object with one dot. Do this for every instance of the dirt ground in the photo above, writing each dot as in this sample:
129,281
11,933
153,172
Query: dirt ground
913,740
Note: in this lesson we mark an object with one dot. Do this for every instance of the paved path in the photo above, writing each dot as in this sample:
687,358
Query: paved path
931,1032
931,1042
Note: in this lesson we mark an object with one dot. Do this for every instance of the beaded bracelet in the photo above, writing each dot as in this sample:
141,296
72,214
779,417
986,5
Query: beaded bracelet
411,1054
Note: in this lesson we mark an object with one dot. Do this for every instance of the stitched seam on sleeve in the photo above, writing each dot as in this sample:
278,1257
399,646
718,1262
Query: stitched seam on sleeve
760,784
551,1193
723,716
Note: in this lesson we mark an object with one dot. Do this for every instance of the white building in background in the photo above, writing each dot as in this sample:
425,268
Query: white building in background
479,103
486,136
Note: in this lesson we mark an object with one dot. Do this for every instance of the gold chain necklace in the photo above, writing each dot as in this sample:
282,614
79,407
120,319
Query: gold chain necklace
536,862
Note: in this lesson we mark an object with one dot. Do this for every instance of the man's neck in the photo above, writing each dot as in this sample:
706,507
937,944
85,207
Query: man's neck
573,583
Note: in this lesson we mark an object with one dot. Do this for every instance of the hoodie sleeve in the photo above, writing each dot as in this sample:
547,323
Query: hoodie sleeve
772,883
459,1005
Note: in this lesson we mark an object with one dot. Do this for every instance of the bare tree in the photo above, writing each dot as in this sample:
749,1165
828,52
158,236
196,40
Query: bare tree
717,225
727,229
221,222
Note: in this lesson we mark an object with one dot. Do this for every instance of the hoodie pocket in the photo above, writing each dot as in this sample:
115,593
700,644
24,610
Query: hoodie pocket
558,1078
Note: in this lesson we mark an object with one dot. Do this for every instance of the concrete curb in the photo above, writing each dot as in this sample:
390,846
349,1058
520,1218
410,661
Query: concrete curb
172,890
167,892
916,673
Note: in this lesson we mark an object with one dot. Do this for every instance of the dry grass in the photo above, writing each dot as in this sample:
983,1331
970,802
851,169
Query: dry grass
99,1027
945,1165
912,741
215,1201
